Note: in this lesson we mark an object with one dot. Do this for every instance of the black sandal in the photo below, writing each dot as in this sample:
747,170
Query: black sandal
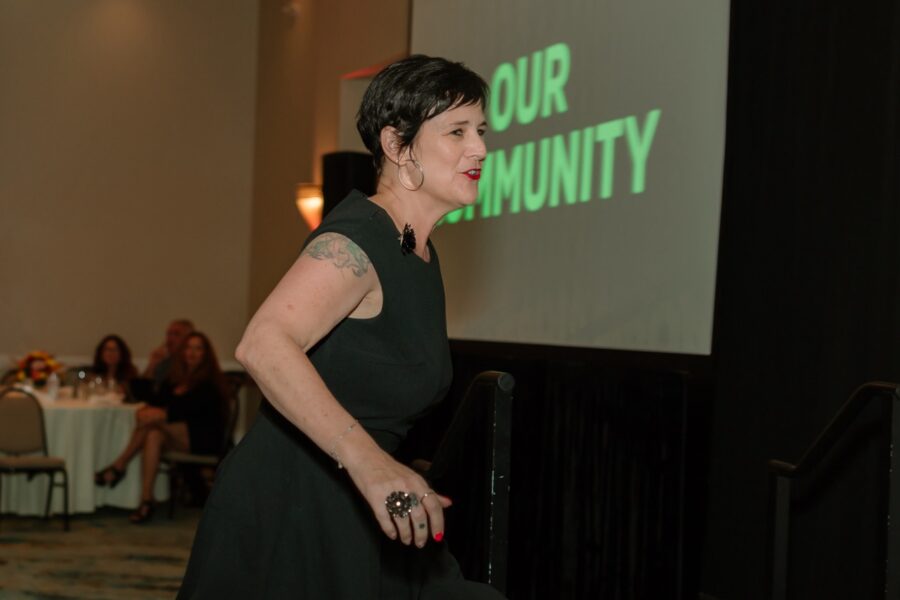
103,477
143,513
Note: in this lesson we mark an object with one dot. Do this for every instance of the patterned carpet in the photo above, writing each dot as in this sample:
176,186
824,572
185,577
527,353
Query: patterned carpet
103,557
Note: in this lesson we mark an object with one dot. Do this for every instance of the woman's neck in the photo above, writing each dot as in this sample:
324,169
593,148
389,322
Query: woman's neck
404,209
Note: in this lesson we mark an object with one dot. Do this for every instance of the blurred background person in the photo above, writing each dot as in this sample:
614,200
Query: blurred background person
190,418
160,361
112,362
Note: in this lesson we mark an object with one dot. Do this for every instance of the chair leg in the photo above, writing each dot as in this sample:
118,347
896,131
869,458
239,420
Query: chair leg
65,475
50,486
172,489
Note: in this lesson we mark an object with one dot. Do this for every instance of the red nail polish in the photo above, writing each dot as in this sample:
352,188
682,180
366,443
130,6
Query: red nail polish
438,536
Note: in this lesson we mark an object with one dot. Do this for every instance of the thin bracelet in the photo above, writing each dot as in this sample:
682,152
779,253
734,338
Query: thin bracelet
333,452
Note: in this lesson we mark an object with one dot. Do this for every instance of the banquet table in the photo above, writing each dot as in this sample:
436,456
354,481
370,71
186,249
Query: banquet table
88,434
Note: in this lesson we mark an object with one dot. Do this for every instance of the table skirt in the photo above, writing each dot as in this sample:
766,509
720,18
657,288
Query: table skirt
88,436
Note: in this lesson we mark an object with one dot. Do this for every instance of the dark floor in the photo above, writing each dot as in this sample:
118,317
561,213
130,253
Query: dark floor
103,557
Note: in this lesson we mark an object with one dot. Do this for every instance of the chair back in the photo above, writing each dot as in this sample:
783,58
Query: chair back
21,423
236,381
472,466
10,376
231,415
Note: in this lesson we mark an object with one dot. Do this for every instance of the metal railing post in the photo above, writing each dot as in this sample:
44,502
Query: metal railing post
892,530
780,537
785,472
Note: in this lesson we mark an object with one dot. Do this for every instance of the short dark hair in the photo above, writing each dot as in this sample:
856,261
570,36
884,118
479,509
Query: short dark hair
408,92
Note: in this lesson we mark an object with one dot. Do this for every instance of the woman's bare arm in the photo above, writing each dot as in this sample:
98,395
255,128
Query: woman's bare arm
331,280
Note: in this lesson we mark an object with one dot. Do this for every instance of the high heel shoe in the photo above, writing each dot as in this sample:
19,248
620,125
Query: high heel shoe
143,513
110,476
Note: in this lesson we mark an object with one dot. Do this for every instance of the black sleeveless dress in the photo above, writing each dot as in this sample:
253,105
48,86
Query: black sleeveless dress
282,520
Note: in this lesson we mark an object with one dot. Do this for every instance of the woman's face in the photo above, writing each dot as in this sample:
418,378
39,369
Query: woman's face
110,353
450,148
194,352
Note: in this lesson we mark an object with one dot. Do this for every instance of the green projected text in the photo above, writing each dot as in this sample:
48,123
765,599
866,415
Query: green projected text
563,169
510,97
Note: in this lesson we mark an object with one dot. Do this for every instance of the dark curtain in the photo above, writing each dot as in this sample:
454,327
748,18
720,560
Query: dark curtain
606,452
808,289
597,499
839,515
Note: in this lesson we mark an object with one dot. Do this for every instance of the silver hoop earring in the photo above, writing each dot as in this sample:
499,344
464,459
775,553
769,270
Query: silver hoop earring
411,180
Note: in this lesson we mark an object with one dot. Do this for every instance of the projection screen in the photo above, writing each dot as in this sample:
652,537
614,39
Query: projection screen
598,211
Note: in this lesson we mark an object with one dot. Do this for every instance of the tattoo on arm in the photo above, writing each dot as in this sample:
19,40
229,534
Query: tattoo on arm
341,251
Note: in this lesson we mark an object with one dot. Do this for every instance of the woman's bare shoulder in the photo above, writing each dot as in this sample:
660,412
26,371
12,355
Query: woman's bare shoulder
340,251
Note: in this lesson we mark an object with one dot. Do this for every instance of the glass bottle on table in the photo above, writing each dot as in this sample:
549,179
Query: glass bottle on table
95,387
79,390
53,386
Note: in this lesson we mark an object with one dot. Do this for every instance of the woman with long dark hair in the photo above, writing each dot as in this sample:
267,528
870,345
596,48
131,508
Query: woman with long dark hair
112,361
190,418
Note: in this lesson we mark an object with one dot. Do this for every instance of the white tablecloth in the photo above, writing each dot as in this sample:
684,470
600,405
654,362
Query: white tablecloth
89,435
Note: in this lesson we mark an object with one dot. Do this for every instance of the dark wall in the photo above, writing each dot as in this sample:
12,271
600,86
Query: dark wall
808,298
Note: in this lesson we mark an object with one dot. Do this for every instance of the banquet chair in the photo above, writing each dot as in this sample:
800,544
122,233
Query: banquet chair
478,441
178,464
10,376
23,444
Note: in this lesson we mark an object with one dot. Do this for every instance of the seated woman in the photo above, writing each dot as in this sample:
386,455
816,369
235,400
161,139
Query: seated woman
112,362
191,419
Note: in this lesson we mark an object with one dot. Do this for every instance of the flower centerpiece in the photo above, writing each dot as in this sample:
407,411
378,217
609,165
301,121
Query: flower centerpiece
37,366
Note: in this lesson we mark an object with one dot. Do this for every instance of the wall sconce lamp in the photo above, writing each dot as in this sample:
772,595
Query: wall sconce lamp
309,203
294,8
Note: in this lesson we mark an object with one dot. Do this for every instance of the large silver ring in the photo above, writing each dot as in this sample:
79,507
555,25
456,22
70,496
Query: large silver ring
399,504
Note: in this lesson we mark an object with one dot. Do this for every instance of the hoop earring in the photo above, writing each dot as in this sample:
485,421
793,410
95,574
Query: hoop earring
420,176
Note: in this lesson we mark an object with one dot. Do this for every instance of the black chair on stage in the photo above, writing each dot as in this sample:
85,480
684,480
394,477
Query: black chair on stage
472,467
23,444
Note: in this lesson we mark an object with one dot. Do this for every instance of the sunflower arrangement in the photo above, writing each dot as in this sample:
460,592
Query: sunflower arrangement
37,366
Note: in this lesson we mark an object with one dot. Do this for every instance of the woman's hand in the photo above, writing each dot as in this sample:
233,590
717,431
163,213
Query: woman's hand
156,356
379,476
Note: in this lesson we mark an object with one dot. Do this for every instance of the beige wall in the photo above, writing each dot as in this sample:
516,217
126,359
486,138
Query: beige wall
283,156
302,59
149,152
352,35
126,144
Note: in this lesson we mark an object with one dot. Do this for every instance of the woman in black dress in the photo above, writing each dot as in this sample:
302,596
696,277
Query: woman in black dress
189,417
349,349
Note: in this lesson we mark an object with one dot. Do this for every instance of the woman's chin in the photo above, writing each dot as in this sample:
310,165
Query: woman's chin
467,200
